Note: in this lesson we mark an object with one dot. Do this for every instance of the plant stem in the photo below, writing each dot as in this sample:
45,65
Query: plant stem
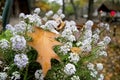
26,72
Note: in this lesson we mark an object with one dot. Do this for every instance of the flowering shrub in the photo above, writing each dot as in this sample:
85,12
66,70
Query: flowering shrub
77,52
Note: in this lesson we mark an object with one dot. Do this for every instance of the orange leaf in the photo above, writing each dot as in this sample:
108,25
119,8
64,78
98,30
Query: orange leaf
75,49
43,42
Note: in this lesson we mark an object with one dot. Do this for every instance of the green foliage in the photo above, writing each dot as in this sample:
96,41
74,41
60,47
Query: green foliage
6,35
69,9
54,6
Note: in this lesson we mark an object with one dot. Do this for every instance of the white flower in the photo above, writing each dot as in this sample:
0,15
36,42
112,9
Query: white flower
10,27
102,53
15,75
107,26
97,31
71,25
37,20
71,38
101,24
99,66
59,12
49,13
79,43
3,75
39,75
21,15
21,60
88,24
37,10
6,68
20,27
62,16
34,19
45,19
69,30
66,47
18,43
55,16
107,40
4,44
66,33
101,44
69,69
90,66
101,77
95,38
93,73
51,25
86,47
87,34
75,78
74,57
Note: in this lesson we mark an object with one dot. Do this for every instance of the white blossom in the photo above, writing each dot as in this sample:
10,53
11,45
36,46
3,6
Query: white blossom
34,19
15,75
71,25
86,45
90,66
74,57
49,13
107,26
101,24
87,34
51,25
3,75
69,69
10,27
39,75
21,15
6,68
4,44
101,77
37,20
68,32
37,10
93,73
101,44
89,24
59,12
62,16
97,31
45,19
21,60
99,66
55,16
79,43
75,78
107,40
66,47
20,27
18,43
102,53
95,38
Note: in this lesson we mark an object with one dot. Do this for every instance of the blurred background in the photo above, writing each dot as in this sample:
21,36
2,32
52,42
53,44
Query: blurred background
107,11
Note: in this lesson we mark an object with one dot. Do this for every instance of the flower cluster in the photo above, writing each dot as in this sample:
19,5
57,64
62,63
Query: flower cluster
76,52
21,60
